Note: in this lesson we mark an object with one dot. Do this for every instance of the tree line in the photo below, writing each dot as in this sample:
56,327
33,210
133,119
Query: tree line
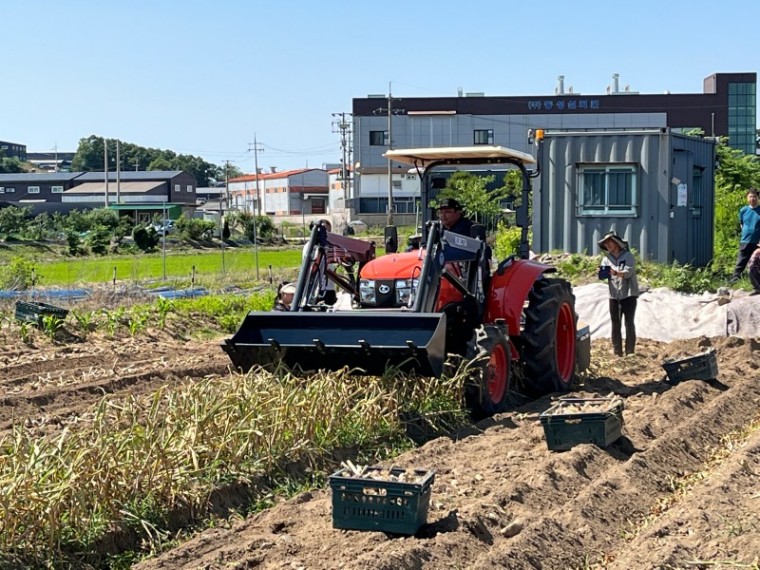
90,157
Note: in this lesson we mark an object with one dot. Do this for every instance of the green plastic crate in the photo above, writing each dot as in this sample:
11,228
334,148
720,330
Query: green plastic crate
565,428
34,311
702,366
395,507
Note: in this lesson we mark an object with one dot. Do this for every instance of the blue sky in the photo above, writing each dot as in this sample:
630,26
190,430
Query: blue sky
202,78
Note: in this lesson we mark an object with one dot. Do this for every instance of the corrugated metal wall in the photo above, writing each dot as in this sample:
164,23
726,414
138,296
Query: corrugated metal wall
557,222
700,210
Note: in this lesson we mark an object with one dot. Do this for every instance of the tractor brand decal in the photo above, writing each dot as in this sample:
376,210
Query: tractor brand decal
384,289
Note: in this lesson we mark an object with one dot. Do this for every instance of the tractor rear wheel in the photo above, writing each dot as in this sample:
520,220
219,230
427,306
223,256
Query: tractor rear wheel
549,337
489,360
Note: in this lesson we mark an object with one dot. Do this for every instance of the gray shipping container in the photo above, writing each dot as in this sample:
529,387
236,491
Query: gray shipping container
654,187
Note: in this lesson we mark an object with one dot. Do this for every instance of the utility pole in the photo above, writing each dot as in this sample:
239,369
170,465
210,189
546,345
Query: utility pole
256,151
344,128
226,185
118,174
391,111
55,165
390,147
105,166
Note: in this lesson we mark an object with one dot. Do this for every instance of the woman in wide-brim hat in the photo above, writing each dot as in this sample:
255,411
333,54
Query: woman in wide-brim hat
619,268
621,243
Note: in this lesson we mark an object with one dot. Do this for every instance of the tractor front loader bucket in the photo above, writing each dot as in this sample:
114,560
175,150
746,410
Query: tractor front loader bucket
367,342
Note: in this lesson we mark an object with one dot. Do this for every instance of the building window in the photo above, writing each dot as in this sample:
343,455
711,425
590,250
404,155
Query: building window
483,136
396,184
607,189
56,189
190,188
373,205
178,188
9,189
404,205
33,190
2,190
378,138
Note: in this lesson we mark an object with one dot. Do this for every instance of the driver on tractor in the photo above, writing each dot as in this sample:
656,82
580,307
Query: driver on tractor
450,214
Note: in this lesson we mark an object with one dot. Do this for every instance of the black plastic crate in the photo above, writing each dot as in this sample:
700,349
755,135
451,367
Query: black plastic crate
565,426
397,507
34,312
702,366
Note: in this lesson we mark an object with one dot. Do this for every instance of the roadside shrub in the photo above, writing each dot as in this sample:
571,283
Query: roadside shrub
99,240
12,220
18,274
145,238
101,217
264,228
507,241
194,228
73,243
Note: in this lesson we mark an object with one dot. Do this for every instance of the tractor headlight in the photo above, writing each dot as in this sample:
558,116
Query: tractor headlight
404,289
367,291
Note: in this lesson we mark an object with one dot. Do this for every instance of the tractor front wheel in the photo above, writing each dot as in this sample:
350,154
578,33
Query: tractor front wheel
549,337
489,361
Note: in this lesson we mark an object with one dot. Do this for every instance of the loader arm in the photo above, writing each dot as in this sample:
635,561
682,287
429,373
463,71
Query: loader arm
323,251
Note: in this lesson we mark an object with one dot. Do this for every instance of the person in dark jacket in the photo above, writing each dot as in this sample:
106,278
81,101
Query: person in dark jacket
452,218
619,268
754,271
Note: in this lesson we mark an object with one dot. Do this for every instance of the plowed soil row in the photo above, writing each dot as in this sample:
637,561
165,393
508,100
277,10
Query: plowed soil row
680,489
45,388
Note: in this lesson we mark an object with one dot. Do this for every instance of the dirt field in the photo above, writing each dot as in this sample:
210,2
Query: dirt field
680,489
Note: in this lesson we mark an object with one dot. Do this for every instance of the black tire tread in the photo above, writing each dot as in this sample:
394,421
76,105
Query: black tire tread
539,353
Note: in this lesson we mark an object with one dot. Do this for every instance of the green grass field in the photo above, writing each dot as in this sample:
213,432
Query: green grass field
234,263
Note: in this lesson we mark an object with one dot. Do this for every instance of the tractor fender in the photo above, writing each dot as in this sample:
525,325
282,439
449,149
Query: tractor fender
509,289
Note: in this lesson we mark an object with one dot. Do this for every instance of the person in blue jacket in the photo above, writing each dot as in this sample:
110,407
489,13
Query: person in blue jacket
619,268
749,218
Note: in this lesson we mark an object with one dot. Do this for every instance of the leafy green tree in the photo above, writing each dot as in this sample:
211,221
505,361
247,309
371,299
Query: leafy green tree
160,163
73,243
471,191
77,221
253,226
10,165
90,153
98,239
13,220
736,173
102,217
195,228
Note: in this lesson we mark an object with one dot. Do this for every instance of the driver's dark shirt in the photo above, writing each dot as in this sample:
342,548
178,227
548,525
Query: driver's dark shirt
462,227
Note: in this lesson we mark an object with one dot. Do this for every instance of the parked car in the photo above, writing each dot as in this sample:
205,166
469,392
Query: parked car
167,227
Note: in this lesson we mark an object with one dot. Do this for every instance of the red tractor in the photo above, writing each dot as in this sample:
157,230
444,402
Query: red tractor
410,310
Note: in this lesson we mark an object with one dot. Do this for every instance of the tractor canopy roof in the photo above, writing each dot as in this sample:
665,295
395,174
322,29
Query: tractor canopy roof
423,157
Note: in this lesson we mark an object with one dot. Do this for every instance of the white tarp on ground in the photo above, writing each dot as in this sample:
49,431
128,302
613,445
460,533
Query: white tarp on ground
664,315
